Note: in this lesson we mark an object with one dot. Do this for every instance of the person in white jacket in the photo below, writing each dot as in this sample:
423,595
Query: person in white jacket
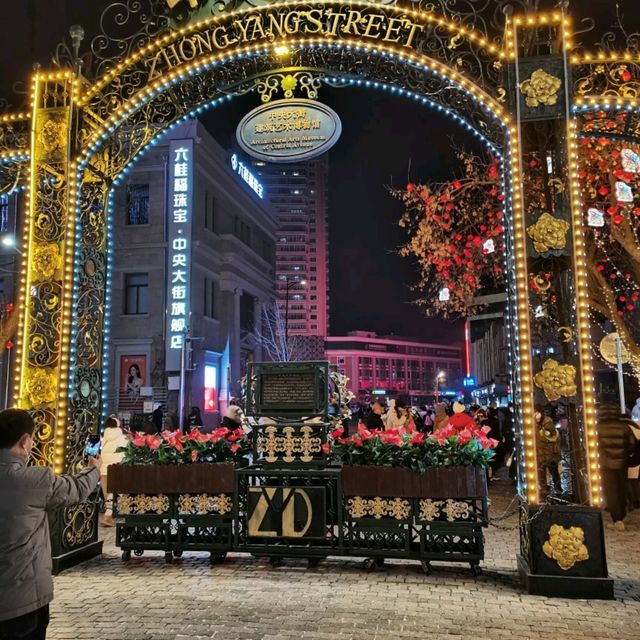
113,437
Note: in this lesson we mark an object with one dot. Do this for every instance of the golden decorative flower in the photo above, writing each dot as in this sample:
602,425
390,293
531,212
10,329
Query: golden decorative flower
541,89
288,84
51,137
46,260
40,387
566,546
548,233
556,380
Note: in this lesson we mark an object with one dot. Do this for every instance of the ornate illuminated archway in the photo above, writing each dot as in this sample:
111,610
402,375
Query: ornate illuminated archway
518,91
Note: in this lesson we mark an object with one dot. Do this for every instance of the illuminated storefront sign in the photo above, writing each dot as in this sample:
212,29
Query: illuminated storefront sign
242,170
179,248
289,130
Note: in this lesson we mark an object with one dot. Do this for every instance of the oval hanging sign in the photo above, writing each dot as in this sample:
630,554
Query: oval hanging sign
289,130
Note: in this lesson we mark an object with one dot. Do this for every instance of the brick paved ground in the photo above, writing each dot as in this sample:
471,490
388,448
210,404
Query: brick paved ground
247,599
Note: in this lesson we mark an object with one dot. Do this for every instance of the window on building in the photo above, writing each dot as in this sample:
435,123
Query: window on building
138,204
4,214
209,298
247,311
209,212
136,297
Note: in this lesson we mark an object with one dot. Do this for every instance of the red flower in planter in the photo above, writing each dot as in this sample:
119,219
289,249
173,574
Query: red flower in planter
364,433
417,438
139,440
326,448
391,436
356,440
337,433
194,455
487,443
234,447
152,442
465,436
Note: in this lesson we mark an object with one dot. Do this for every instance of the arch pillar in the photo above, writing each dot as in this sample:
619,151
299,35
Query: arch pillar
45,348
550,302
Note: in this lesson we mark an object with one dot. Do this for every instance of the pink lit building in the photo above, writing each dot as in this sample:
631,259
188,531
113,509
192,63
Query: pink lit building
397,367
298,196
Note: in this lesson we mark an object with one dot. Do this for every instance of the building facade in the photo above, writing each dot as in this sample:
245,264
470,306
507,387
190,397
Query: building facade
489,351
298,193
416,371
194,262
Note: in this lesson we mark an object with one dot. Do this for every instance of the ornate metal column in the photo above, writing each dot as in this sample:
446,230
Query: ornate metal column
562,533
45,328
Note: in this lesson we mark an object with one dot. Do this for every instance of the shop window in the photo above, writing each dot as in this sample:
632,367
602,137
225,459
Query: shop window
138,204
136,293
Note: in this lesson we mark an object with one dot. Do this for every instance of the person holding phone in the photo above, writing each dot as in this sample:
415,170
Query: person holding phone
113,438
27,492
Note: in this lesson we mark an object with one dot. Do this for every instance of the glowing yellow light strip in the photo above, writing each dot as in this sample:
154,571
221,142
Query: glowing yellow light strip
583,333
602,56
25,275
475,38
67,309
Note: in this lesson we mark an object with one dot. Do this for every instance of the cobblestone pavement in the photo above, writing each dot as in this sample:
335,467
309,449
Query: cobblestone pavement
248,599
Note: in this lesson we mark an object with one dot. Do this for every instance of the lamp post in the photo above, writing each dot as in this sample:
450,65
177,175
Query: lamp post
9,240
441,377
289,284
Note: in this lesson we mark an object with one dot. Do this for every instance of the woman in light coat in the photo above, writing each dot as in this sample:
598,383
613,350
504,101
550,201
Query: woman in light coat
113,438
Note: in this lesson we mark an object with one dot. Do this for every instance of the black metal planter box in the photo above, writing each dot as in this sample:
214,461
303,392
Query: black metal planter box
398,513
173,508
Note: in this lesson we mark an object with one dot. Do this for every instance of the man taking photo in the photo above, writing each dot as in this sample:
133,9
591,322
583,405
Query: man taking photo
26,585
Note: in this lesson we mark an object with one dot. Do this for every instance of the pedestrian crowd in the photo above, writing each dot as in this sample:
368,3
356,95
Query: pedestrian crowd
28,492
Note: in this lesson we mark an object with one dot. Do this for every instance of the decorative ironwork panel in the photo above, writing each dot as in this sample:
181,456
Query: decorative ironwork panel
43,340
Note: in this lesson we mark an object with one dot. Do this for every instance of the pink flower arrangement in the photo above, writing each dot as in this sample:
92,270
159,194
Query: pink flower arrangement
174,447
463,444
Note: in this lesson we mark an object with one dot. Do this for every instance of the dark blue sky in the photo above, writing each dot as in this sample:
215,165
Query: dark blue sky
386,140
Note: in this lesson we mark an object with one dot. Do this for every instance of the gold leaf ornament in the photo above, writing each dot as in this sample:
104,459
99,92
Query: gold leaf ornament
288,84
46,261
40,387
548,233
556,380
566,546
541,89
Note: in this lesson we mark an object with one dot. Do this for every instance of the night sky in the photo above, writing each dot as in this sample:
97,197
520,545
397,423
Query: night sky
386,141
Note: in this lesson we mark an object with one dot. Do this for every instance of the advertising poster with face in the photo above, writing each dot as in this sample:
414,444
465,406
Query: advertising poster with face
133,369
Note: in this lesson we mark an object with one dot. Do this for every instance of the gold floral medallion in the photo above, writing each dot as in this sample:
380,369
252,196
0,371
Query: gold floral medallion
556,380
548,233
46,261
40,387
566,546
541,89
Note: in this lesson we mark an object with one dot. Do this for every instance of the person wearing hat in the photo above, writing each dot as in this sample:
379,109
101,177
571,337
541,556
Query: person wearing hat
374,419
233,417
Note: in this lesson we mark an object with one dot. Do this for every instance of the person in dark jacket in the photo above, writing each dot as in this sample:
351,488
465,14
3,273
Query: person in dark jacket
374,419
27,492
616,444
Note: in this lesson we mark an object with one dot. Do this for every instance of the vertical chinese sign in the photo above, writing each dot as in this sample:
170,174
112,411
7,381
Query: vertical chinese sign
179,249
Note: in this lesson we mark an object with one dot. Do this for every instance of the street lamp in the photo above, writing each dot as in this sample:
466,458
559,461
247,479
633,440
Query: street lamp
289,284
9,241
441,377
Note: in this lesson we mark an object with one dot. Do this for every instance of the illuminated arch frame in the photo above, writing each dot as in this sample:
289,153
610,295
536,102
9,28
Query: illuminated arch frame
80,100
